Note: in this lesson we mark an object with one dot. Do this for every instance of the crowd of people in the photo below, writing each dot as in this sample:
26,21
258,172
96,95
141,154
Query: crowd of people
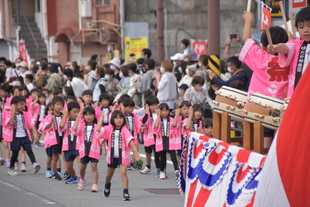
86,111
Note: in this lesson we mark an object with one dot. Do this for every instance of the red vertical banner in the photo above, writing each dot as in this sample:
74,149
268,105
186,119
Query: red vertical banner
299,3
22,50
199,47
266,18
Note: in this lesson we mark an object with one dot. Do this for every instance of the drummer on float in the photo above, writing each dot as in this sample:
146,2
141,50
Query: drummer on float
268,77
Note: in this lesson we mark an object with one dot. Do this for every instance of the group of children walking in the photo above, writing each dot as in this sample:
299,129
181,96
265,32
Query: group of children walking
76,129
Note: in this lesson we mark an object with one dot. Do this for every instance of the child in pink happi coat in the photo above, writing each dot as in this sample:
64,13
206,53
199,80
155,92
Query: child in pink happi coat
133,124
32,103
120,143
70,144
53,137
41,114
104,107
268,77
148,121
89,136
194,122
178,124
17,126
296,52
165,140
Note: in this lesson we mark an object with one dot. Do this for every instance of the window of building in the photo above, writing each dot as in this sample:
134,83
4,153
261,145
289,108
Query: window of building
102,2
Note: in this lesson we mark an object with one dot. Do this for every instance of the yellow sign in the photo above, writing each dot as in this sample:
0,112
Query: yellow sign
135,46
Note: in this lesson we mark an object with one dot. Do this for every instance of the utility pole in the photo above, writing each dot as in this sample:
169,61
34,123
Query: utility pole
160,29
214,35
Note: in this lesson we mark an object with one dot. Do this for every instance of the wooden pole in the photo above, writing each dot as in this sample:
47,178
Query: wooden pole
268,35
249,5
292,23
160,30
284,17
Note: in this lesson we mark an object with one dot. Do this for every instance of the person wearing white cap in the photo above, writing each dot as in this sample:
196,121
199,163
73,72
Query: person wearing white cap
177,63
22,69
115,64
190,73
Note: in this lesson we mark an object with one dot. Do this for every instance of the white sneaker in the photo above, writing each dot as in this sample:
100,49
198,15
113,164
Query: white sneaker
36,167
162,175
12,172
146,170
23,168
8,163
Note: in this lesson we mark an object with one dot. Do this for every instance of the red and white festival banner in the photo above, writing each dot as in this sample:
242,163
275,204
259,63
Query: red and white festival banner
22,50
285,177
266,16
199,47
214,173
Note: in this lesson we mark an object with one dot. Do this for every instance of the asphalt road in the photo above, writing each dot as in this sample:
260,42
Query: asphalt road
29,189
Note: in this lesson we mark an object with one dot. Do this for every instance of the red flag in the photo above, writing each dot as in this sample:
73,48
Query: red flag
266,18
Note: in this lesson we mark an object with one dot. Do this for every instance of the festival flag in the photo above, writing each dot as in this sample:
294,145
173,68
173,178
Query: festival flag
285,176
22,50
266,16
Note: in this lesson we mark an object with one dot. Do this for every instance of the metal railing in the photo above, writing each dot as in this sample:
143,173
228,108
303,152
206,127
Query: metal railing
32,35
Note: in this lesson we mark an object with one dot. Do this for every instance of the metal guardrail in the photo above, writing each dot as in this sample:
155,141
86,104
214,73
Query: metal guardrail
32,35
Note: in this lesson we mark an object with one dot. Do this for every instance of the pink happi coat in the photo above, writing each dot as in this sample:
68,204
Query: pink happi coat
8,129
147,128
126,138
268,77
95,143
66,138
291,59
178,131
98,111
50,138
33,109
137,127
159,146
199,130
7,105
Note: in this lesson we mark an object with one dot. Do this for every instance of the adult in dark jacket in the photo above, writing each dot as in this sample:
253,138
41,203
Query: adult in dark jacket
233,66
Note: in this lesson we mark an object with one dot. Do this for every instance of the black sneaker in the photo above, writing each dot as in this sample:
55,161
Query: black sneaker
126,197
67,175
134,165
106,192
56,176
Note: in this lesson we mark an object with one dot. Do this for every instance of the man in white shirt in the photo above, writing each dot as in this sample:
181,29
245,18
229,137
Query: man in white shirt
78,86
